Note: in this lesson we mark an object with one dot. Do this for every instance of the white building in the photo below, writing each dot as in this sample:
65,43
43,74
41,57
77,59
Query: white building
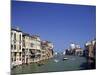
72,46
16,46
78,46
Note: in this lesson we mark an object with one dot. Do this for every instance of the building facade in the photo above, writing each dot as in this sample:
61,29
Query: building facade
90,48
26,48
36,47
16,46
47,50
74,49
31,48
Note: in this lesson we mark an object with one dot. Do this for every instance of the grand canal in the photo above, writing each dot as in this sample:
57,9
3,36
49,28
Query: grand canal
52,65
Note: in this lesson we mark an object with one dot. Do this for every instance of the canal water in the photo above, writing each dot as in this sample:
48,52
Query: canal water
52,65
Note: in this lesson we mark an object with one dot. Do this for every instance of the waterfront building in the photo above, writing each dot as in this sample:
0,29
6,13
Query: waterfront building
47,50
74,49
36,48
79,51
72,46
44,48
77,46
26,48
90,47
31,48
16,46
50,49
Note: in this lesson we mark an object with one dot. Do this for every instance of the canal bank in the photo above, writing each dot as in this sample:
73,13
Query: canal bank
73,63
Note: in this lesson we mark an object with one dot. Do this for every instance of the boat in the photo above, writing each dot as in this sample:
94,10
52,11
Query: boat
56,60
65,58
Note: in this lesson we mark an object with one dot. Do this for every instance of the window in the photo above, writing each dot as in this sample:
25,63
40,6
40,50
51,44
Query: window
14,36
20,59
14,59
32,44
11,46
20,47
14,47
24,44
20,38
20,56
15,56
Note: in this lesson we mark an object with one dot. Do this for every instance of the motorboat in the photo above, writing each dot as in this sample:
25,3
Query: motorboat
65,58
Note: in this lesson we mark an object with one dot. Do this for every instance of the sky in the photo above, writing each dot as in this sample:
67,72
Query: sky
61,24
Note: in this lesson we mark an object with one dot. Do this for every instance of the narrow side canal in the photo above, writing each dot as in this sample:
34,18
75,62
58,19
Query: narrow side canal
52,65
